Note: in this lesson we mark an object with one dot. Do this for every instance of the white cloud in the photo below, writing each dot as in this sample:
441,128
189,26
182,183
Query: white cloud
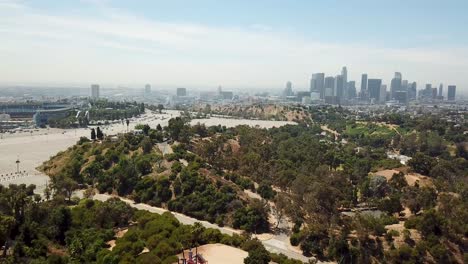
118,47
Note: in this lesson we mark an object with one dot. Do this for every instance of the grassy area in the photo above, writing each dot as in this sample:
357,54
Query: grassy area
366,129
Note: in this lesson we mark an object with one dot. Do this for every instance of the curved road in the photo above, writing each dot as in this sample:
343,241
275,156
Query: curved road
275,245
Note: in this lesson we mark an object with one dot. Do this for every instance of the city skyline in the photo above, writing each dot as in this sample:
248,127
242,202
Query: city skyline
112,43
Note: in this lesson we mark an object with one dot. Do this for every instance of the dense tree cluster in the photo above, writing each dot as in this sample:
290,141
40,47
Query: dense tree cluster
35,231
308,172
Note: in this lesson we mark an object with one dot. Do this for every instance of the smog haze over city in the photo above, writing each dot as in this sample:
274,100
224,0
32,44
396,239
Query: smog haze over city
233,132
237,44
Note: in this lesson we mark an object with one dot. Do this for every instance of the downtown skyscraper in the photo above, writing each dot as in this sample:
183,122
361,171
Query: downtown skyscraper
363,93
317,83
451,92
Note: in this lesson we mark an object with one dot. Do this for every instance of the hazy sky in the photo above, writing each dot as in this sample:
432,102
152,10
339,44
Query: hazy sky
237,44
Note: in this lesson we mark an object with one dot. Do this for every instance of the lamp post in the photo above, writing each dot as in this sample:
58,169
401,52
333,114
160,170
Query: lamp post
17,165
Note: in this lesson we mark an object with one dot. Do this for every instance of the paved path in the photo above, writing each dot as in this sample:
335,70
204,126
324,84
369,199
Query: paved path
276,244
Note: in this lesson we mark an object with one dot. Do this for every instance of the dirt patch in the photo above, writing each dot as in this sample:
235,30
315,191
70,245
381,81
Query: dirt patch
411,178
218,253
118,234
400,239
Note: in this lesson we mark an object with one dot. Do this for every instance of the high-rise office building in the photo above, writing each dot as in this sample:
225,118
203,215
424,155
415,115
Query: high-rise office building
338,88
451,92
95,91
434,93
181,92
412,90
363,93
329,91
395,84
374,86
351,90
147,89
441,90
317,83
344,74
288,90
329,82
364,82
383,93
404,85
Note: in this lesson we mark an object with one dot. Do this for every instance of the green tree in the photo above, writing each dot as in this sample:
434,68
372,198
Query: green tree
99,134
421,163
93,134
258,255
146,145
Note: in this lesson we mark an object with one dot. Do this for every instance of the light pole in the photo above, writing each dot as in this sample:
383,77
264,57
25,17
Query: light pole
17,165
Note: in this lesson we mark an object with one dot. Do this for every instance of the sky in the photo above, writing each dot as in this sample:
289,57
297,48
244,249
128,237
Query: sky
239,44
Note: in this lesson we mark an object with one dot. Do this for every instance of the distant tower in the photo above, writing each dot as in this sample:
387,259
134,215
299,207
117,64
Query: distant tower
329,87
344,74
383,93
351,89
374,86
317,83
364,86
147,89
396,84
339,87
288,90
95,91
451,92
181,92
441,90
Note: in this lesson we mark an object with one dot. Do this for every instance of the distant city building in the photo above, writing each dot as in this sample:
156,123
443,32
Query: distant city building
401,97
364,82
288,91
395,84
227,95
300,95
339,87
412,90
317,83
434,93
329,86
451,92
306,100
181,92
314,96
42,117
383,93
328,91
351,89
374,86
344,74
95,91
404,85
441,90
147,89
363,93
426,94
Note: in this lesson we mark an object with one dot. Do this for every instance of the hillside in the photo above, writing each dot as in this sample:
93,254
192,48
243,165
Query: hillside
336,196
